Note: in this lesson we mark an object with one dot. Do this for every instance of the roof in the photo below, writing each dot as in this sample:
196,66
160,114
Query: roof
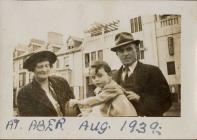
37,41
21,47
75,38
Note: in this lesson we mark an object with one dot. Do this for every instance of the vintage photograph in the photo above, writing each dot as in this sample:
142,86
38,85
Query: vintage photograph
123,67
98,69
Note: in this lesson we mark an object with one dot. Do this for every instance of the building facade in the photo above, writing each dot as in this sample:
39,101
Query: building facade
98,40
69,65
159,35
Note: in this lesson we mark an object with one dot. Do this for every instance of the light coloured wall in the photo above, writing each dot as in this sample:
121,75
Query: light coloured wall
62,70
163,32
148,35
77,74
77,69
73,73
105,43
15,73
164,57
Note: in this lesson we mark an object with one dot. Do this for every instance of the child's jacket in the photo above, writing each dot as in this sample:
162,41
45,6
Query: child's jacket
112,104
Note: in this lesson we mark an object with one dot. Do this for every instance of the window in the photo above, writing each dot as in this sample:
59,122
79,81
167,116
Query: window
66,61
141,55
132,26
70,44
141,44
138,55
14,67
30,77
171,68
87,60
171,46
100,55
57,63
140,23
93,56
136,24
22,79
89,87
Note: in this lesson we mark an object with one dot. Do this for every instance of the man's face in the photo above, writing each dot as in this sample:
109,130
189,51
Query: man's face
42,70
99,79
127,54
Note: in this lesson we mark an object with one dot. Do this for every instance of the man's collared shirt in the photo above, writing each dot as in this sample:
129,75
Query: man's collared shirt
131,69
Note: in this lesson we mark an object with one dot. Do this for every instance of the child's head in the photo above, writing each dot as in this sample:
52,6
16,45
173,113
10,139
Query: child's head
100,73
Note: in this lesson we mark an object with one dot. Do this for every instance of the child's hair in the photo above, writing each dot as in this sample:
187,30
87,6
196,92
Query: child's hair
101,64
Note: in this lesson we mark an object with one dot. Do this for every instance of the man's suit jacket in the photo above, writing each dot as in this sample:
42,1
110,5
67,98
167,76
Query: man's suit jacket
150,84
33,101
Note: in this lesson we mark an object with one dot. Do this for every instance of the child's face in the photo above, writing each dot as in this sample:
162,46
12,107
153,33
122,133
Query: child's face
99,79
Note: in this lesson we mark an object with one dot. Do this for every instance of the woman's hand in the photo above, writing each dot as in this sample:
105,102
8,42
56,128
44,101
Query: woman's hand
73,102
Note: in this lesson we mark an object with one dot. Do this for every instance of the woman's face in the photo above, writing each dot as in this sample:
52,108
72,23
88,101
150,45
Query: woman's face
42,70
101,78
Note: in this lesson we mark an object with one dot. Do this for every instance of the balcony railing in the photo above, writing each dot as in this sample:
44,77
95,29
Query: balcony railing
169,22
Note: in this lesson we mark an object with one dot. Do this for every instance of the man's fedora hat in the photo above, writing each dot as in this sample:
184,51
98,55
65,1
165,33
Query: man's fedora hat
122,39
31,62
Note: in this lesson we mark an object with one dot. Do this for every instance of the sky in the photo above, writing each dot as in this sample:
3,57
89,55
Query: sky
21,21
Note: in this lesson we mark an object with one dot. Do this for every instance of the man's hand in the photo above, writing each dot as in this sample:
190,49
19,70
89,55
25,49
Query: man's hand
132,96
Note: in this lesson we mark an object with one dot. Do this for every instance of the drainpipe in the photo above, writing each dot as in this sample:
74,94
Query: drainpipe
157,55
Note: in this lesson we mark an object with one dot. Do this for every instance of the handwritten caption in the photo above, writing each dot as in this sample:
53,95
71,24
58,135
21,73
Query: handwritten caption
100,127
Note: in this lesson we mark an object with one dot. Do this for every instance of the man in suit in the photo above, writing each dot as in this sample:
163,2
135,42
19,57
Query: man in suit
46,95
146,86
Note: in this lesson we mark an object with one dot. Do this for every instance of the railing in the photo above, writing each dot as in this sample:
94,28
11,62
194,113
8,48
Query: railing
169,22
100,37
93,38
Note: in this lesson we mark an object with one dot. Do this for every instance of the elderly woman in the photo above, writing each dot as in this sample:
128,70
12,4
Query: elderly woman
46,95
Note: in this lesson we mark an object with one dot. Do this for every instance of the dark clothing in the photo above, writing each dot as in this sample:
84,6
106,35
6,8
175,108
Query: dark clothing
148,82
33,101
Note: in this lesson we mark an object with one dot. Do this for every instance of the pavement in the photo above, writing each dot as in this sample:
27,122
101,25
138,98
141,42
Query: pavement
174,111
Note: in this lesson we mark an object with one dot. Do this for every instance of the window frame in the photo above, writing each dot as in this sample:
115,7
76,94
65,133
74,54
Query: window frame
171,68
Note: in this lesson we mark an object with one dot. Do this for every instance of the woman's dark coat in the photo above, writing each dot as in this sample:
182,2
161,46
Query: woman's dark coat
32,99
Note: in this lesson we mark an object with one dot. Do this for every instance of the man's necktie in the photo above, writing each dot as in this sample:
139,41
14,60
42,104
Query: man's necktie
126,78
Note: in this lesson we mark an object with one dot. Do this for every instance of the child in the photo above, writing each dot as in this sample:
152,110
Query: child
110,103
